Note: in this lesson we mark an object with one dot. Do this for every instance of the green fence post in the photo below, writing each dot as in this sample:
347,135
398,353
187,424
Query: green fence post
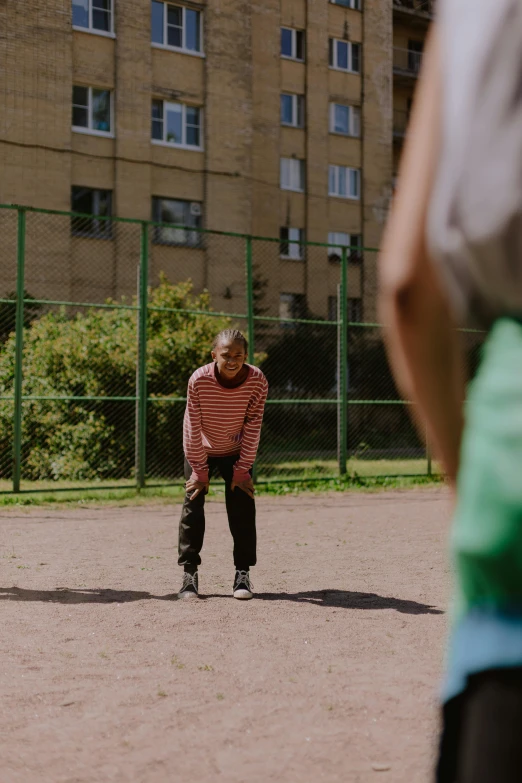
19,347
141,427
343,363
250,299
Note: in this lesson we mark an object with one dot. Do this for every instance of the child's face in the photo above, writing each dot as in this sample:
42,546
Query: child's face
230,357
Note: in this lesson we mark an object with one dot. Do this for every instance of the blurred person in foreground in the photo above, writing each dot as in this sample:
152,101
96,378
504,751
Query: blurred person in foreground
452,256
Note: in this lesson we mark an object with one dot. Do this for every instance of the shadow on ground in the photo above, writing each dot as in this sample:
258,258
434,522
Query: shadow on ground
343,599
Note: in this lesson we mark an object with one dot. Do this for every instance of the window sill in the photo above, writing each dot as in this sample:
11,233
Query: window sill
289,125
293,190
346,7
162,243
344,135
345,198
290,258
344,70
89,132
177,49
89,235
169,144
92,31
292,59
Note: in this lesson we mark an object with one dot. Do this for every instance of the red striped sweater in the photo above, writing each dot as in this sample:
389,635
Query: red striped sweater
219,422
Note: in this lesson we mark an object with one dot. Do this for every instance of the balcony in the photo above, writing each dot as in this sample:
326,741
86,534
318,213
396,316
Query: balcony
406,63
401,119
421,9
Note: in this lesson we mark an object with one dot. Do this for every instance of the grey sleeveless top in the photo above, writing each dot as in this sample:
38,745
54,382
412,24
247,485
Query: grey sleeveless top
475,214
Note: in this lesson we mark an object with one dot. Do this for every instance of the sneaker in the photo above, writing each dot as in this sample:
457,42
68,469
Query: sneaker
243,587
189,588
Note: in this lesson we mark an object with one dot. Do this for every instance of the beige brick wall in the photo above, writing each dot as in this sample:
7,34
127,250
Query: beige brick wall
236,177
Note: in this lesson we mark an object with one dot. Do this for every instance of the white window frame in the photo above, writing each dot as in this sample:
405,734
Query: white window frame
185,231
182,48
183,145
90,131
293,56
336,244
355,5
297,110
296,170
350,44
295,244
354,120
349,170
94,30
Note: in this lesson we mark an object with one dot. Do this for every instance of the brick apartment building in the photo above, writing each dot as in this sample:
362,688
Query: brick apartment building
278,118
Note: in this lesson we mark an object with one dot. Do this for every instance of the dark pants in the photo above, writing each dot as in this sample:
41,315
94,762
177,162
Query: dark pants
481,740
241,511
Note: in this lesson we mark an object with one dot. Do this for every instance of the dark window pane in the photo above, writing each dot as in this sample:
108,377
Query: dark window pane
356,58
174,36
286,42
157,120
157,110
80,13
192,30
174,15
299,45
157,18
174,124
300,111
174,26
80,96
101,20
81,200
283,242
91,202
193,135
80,117
342,55
286,109
101,110
157,130
331,43
179,213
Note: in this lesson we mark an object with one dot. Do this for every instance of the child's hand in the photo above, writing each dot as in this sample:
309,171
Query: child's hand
245,486
196,487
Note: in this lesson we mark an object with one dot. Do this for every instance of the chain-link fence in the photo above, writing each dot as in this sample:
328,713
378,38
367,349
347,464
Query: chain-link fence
102,322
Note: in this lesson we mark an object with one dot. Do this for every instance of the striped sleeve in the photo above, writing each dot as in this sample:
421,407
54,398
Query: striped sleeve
192,435
251,433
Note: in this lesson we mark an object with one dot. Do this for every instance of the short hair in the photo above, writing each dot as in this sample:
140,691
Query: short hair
232,335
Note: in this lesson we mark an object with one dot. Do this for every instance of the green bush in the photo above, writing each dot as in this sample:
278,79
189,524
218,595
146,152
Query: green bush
93,353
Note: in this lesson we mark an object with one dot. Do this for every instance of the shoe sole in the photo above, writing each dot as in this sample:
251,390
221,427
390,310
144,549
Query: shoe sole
243,595
188,596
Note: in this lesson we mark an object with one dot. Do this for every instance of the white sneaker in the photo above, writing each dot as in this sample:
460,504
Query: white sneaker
243,587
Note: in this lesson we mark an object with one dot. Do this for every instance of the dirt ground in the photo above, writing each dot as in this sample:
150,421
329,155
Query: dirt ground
330,674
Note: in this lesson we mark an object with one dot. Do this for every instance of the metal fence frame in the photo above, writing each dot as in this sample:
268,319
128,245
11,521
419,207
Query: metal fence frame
141,399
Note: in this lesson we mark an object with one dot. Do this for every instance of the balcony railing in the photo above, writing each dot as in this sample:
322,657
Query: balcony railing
421,7
401,119
406,62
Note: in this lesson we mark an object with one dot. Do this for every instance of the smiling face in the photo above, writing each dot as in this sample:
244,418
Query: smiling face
230,357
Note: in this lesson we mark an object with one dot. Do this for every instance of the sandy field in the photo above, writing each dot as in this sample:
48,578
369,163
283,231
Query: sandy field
330,674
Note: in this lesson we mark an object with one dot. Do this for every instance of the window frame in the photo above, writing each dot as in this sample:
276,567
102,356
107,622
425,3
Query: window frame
302,170
183,49
94,30
297,244
198,244
354,5
349,170
354,249
183,145
89,130
295,31
298,110
333,58
354,120
96,231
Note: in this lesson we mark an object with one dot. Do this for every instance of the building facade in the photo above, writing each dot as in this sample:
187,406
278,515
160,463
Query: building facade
274,118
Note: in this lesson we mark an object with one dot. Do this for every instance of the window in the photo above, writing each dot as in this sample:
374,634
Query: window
176,124
344,182
292,43
186,214
353,243
355,311
176,27
95,15
292,174
345,55
292,306
91,110
415,49
345,120
97,203
290,245
355,4
292,110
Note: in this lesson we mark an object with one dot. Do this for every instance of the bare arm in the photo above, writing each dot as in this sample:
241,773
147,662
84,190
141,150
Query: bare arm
422,343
